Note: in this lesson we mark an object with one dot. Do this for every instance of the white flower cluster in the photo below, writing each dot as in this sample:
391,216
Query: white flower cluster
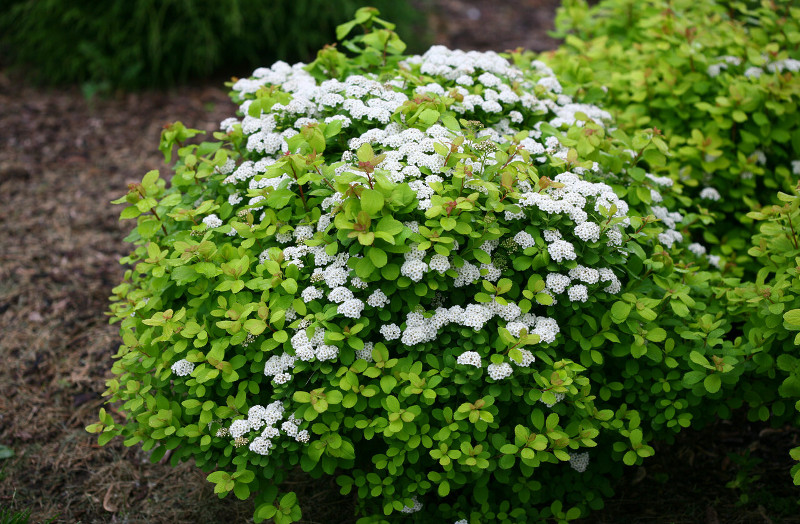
787,64
578,293
709,193
277,367
499,371
697,249
417,505
264,420
485,83
579,461
212,221
670,220
308,349
365,353
469,358
524,240
182,367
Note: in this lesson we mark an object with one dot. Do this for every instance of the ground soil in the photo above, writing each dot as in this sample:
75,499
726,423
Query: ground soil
63,157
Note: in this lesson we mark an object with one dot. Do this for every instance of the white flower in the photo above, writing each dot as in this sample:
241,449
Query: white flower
365,353
557,282
439,263
753,72
579,461
212,221
469,358
311,293
546,328
578,293
239,428
588,232
551,235
414,269
182,367
351,308
261,445
499,371
527,359
561,250
390,331
378,299
559,398
414,508
524,239
340,294
584,274
697,249
709,193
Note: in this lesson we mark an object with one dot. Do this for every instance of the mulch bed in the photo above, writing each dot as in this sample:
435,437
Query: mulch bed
63,158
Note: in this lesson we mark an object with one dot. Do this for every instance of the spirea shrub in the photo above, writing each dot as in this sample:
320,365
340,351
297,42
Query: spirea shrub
437,278
720,79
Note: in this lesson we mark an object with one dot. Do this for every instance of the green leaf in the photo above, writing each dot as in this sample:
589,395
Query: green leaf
656,335
302,396
242,491
290,285
444,489
620,311
392,403
451,123
255,326
712,383
377,256
130,212
792,317
388,383
371,201
429,116
449,223
365,152
699,359
629,458
679,308
389,225
509,449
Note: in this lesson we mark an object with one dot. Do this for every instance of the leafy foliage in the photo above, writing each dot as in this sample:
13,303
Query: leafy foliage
769,309
155,43
720,79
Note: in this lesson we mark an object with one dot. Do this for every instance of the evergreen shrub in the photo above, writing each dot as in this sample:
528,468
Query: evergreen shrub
149,43
438,278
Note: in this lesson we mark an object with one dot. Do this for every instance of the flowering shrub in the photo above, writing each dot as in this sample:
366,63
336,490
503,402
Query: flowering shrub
720,79
436,277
